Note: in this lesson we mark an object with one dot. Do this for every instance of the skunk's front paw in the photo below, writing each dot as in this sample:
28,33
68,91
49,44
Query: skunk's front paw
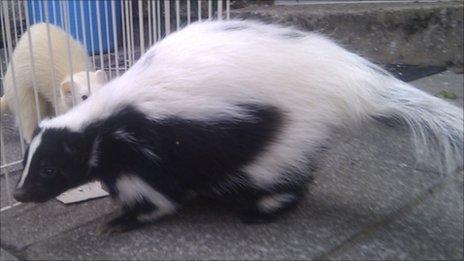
119,224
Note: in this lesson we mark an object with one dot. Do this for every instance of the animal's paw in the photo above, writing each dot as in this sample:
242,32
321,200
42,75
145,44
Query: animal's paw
120,224
268,208
255,217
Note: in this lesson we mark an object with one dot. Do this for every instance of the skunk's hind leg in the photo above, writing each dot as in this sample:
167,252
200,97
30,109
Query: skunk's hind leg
141,204
134,216
128,218
267,205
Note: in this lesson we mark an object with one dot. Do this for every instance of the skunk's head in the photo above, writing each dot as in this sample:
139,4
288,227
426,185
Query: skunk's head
56,160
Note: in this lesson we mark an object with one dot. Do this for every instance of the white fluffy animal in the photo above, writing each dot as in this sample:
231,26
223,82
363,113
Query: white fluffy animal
76,91
226,108
44,69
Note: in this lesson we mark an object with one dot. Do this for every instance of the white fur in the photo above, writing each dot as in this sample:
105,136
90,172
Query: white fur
32,148
201,71
79,87
93,160
132,189
274,202
121,134
43,75
149,153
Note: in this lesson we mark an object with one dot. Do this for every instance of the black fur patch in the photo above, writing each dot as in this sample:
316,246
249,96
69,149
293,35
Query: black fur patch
59,163
245,198
190,155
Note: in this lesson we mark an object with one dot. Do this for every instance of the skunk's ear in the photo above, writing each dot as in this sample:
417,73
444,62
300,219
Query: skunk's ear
66,89
101,76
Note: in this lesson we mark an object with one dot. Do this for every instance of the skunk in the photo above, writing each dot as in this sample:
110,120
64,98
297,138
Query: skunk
226,108
44,68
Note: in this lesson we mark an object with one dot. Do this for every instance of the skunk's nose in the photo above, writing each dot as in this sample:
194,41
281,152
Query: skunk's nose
20,195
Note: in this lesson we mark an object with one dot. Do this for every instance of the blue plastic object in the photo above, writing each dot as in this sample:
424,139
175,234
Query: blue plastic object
57,9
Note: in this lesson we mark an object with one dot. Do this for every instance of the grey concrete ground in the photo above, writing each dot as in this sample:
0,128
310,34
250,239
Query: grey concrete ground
370,200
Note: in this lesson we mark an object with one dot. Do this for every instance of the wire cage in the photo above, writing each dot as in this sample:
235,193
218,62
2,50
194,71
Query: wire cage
114,34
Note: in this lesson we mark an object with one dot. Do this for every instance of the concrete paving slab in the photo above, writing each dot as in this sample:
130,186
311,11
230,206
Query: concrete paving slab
444,81
432,231
28,223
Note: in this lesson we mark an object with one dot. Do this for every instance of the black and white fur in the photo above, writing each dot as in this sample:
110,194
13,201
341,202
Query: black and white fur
226,108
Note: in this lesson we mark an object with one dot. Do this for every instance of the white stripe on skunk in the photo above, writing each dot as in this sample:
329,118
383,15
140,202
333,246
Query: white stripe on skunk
200,78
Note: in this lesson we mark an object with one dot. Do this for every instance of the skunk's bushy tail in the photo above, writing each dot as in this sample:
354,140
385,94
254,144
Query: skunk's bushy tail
436,126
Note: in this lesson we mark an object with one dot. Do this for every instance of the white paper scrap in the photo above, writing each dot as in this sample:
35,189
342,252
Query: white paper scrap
85,192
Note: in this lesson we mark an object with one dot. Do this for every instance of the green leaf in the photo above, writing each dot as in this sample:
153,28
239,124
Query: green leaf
447,95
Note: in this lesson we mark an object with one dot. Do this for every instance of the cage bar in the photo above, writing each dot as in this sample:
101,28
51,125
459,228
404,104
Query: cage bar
210,9
158,18
124,40
141,31
131,23
91,34
115,36
177,14
99,33
219,9
31,55
50,54
167,17
199,10
150,31
108,49
188,12
13,73
84,37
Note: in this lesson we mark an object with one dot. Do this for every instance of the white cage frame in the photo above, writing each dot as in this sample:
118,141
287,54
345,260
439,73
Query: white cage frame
159,13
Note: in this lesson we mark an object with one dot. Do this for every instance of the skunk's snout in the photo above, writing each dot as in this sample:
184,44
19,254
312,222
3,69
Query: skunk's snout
20,195
28,195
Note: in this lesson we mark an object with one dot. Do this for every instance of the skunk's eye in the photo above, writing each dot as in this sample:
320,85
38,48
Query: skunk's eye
48,172
84,97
